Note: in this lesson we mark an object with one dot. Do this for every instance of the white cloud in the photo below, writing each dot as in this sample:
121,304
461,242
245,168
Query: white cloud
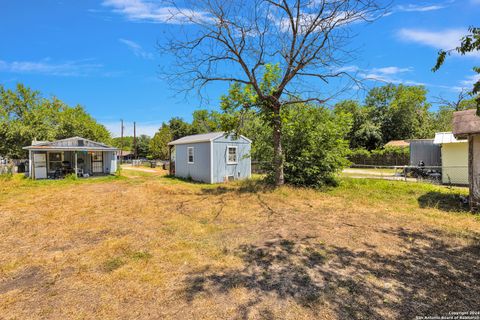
387,74
137,49
68,68
470,81
419,8
148,128
153,11
391,70
446,39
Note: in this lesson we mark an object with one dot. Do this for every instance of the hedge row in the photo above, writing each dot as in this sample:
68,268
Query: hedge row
381,157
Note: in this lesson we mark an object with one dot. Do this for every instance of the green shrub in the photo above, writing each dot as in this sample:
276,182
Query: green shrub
381,157
314,145
71,176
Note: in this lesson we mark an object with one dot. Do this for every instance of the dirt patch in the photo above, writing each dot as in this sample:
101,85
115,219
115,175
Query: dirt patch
31,277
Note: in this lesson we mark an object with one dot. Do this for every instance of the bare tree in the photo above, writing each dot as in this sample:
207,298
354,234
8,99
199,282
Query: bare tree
232,41
457,104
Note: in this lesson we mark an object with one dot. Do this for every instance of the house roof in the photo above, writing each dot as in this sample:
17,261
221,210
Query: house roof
126,153
446,137
204,137
465,122
397,143
70,144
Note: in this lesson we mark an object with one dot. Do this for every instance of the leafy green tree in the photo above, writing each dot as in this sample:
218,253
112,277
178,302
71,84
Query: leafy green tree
315,147
77,122
143,146
300,41
363,133
25,116
159,143
401,112
469,43
205,121
125,143
179,128
313,137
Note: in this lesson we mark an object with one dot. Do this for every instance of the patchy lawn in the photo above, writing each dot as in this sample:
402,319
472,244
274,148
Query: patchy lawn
151,247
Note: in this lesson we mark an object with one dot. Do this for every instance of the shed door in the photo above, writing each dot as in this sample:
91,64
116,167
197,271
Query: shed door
97,162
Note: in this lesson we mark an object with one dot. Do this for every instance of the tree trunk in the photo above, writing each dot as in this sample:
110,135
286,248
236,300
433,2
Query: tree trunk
278,160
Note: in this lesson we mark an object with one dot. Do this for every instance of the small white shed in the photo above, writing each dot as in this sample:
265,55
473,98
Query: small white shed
454,158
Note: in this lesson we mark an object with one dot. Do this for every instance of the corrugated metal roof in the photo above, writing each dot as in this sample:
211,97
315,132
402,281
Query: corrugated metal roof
446,137
74,143
204,137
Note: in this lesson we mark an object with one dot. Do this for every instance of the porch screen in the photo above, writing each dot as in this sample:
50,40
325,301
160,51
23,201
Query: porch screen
54,160
97,162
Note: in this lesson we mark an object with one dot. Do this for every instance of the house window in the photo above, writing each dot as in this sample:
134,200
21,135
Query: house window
232,155
190,155
97,156
54,161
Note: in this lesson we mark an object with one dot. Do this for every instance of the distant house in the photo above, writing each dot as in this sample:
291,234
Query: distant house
125,155
454,158
212,157
397,144
74,155
466,125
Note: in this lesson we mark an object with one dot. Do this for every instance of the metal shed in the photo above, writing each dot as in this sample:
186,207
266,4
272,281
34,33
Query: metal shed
424,150
74,155
211,157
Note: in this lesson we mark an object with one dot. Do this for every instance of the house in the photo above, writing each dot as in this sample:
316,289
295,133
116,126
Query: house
211,157
397,144
75,155
426,152
454,155
125,155
466,125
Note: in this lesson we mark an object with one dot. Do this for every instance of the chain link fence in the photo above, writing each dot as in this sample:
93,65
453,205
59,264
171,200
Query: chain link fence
446,175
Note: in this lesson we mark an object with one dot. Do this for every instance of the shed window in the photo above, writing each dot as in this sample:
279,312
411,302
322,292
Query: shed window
232,155
54,160
190,155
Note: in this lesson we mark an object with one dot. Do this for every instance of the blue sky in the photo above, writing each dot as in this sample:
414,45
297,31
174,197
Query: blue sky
102,54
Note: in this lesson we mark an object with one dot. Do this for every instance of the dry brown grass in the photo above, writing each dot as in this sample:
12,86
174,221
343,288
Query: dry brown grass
151,247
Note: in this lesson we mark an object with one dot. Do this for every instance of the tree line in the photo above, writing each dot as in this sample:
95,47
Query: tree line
317,140
398,112
25,115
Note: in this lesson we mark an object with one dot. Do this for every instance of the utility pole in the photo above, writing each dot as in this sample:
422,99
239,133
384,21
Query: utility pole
134,140
121,143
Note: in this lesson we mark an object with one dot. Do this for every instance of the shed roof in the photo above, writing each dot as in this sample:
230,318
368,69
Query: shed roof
204,137
397,143
446,137
465,122
70,144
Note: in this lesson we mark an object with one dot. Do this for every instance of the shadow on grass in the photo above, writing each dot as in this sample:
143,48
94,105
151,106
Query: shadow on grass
426,276
241,186
450,202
